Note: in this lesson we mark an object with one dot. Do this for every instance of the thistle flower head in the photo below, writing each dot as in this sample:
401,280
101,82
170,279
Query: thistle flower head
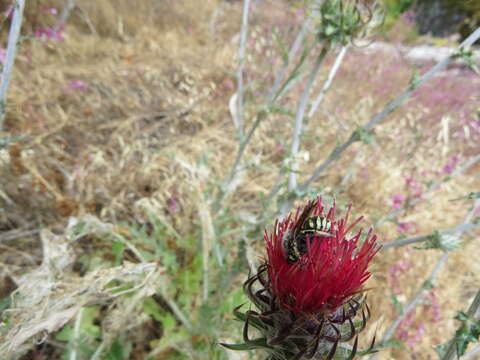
309,290
333,268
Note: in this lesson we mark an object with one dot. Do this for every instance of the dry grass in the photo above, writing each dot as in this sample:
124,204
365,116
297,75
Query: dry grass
153,127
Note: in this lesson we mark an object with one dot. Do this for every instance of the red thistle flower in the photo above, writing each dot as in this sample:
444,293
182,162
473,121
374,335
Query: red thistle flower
333,269
310,288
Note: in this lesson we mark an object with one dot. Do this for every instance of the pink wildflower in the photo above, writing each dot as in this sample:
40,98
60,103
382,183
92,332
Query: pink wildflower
451,164
8,13
406,226
397,199
49,33
77,85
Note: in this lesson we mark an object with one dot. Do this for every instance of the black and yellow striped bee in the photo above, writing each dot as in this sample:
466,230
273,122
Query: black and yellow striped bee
307,226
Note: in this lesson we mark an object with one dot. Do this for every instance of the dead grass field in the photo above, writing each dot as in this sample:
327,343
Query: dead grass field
112,184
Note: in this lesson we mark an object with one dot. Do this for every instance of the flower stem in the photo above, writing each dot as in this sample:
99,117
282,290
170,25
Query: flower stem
421,238
67,10
302,105
328,82
238,116
13,37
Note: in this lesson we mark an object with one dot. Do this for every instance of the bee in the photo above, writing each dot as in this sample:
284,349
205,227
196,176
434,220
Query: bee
295,241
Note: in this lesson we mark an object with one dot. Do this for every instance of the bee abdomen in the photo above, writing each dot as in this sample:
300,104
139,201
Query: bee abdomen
317,223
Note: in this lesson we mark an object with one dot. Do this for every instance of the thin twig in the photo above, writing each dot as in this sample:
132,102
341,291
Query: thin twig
98,352
421,238
350,170
67,10
86,18
31,259
130,246
391,106
302,105
76,335
15,235
13,38
241,59
433,187
328,82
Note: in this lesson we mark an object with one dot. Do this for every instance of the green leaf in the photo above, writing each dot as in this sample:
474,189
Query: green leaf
414,80
365,136
281,47
65,334
428,284
274,108
394,343
168,321
443,241
462,316
5,303
207,317
260,343
117,250
116,352
467,56
470,196
152,309
468,332
231,300
442,349
397,303
88,327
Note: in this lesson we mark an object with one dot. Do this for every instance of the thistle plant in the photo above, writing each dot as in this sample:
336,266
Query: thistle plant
309,291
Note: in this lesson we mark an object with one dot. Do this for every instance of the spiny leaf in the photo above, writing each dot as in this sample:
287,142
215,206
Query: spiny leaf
260,343
468,332
364,136
467,56
437,240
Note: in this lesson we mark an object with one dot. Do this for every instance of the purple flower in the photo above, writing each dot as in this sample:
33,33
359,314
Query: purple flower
397,199
49,10
451,164
414,186
77,85
49,33
408,17
405,226
172,204
8,11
